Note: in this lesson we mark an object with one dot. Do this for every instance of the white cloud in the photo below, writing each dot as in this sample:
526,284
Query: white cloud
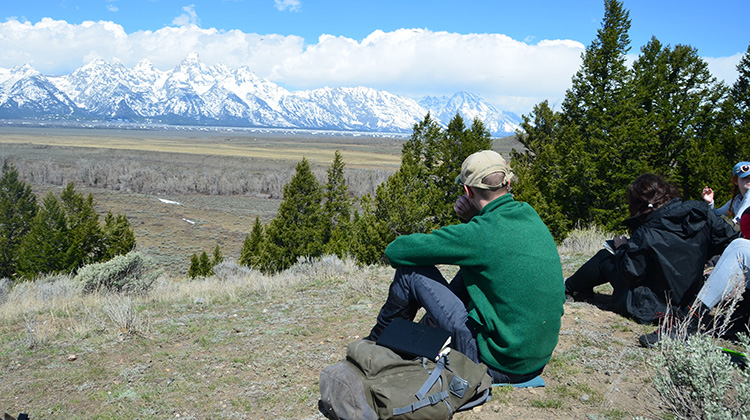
724,68
189,17
112,8
291,5
511,74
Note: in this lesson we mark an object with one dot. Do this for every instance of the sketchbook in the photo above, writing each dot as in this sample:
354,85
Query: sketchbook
411,340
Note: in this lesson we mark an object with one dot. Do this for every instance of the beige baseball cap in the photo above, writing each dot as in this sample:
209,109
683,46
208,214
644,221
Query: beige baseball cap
479,165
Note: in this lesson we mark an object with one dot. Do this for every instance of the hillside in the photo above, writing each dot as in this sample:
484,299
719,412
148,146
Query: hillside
243,345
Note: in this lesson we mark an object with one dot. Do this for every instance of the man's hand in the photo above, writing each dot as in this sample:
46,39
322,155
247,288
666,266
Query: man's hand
620,240
708,195
464,209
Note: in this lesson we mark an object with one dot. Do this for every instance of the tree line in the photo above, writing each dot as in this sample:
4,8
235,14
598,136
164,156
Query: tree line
59,236
664,114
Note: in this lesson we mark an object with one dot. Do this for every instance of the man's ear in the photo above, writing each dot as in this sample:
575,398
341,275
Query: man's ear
469,191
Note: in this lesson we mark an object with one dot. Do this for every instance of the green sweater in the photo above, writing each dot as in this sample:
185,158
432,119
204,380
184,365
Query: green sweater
512,273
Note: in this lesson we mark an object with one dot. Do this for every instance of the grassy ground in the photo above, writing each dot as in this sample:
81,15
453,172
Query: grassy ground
247,346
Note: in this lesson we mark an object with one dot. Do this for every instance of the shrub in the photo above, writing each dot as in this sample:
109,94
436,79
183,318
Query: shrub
587,241
128,273
122,313
4,289
697,380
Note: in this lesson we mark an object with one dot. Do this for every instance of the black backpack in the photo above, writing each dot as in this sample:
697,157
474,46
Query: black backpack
376,383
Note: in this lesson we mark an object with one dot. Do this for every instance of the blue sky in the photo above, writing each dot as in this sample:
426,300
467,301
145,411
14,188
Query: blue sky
513,54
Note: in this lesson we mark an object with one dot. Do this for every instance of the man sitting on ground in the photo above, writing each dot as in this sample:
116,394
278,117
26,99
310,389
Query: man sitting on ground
503,308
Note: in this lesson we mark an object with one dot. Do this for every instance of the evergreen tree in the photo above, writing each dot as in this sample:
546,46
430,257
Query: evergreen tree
204,265
85,242
250,254
590,156
677,97
336,209
370,235
17,210
296,229
537,178
728,142
597,112
195,267
117,236
44,248
218,258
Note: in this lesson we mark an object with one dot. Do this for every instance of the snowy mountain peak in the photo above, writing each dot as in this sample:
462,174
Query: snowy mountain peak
195,93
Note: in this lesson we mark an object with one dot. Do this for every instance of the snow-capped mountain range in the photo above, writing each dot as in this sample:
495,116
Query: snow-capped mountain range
194,93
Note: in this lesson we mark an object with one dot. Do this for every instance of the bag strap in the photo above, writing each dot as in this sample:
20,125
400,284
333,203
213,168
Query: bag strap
479,400
430,400
434,376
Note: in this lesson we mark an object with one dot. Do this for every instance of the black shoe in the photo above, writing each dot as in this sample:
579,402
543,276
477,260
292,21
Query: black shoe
676,328
650,341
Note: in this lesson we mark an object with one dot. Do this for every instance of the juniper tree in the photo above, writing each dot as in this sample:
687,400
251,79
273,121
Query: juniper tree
18,207
118,237
251,247
84,234
337,209
296,229
44,248
677,98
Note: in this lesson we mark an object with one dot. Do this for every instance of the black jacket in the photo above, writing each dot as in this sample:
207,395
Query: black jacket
665,257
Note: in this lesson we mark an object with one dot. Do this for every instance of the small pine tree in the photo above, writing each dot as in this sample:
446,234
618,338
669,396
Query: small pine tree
117,236
195,267
218,258
250,254
204,265
85,242
44,248
296,229
336,209
18,207
420,196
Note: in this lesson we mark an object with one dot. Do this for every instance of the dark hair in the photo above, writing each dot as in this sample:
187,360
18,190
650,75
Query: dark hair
649,192
735,191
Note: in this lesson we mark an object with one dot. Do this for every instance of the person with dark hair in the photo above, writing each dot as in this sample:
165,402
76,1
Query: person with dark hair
504,306
740,200
662,263
729,275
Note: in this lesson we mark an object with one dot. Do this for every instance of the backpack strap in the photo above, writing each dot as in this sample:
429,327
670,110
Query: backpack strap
434,376
430,400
